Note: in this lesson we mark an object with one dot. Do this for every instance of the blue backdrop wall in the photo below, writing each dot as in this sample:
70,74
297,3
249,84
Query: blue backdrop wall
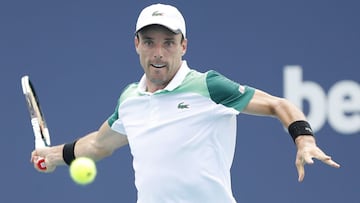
80,55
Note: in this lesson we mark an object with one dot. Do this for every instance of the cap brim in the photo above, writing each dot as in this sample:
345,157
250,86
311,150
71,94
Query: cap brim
163,23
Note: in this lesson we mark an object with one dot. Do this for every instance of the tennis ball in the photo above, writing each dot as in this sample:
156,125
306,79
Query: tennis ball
83,170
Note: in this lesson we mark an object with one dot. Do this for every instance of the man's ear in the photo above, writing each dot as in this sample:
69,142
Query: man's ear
184,46
136,43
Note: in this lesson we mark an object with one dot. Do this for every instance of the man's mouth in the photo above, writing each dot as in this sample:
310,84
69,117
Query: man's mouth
158,65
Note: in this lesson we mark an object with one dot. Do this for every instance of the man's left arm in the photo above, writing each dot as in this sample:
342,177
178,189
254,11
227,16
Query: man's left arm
265,104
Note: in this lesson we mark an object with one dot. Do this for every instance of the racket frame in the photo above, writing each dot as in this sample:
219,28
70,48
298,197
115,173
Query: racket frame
39,126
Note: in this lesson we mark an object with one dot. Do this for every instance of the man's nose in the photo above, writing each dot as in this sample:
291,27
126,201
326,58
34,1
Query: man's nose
158,52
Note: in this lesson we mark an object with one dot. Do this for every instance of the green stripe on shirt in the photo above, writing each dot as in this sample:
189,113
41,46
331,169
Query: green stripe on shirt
227,92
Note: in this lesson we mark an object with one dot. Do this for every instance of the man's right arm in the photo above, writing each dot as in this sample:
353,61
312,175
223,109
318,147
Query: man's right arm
96,145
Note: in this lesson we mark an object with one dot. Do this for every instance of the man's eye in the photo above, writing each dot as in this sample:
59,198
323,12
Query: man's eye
169,43
147,42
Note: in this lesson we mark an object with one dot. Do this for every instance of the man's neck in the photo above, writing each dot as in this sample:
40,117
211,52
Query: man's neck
150,87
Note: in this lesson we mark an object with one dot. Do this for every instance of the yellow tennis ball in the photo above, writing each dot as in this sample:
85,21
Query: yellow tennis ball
83,170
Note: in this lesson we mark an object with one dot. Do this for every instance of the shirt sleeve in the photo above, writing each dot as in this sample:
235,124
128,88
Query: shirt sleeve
115,115
227,92
115,122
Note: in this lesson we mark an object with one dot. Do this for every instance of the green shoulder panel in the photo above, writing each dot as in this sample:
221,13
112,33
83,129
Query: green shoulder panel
227,92
113,117
129,91
194,82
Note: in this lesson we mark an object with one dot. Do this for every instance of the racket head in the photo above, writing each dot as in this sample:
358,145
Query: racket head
41,132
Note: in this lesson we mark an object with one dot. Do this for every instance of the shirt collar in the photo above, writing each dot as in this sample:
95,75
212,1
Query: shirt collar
175,82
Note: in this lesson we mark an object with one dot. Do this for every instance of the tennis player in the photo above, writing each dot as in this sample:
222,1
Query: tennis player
180,124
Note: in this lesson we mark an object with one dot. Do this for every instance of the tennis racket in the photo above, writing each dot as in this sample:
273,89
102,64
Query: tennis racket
41,132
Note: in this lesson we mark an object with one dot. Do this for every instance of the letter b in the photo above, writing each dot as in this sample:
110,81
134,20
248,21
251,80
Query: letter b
297,91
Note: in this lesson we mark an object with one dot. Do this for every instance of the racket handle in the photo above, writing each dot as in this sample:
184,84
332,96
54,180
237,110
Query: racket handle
41,164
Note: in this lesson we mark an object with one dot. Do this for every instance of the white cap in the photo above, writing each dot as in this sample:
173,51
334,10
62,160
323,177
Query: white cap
164,15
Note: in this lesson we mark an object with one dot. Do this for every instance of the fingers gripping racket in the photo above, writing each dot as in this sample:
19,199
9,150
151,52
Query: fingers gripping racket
41,132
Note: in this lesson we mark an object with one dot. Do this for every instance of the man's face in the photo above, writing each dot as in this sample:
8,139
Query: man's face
160,52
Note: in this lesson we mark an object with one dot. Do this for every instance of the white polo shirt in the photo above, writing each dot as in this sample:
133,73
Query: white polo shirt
182,138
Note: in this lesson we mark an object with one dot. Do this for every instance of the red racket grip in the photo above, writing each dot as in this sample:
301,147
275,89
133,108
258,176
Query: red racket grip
41,164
